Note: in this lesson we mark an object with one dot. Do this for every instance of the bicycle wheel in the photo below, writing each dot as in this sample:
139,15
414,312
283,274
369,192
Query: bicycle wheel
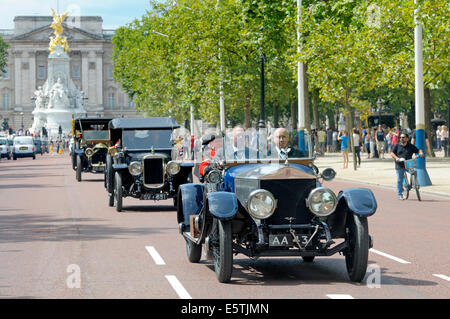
415,184
406,186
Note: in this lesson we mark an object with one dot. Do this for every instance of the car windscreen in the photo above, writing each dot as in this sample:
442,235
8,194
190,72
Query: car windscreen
96,135
146,139
23,141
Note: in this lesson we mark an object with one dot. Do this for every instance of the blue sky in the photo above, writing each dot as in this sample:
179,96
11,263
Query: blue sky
115,13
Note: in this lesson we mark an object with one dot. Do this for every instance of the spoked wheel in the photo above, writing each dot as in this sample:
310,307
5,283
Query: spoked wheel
223,251
118,192
193,251
109,180
406,186
415,184
78,174
357,254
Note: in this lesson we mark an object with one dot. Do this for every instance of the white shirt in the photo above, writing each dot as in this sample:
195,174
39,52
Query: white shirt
356,139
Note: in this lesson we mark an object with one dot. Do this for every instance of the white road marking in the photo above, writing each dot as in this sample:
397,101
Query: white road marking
338,296
178,287
389,256
442,277
156,257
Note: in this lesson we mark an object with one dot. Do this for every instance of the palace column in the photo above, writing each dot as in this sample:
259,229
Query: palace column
99,82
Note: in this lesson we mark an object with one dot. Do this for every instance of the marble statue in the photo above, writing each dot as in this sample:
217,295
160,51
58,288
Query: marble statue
58,95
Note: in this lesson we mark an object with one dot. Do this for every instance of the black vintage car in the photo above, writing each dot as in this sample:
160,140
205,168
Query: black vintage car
91,142
140,164
267,207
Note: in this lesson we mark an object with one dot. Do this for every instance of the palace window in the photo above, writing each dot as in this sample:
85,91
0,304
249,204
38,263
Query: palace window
76,71
111,100
6,100
41,72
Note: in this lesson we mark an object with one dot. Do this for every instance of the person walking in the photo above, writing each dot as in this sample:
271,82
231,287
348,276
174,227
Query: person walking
367,143
329,139
444,137
402,152
344,147
372,143
380,141
438,138
335,141
357,146
322,136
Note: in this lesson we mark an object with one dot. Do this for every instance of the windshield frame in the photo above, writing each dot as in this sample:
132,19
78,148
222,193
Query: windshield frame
129,147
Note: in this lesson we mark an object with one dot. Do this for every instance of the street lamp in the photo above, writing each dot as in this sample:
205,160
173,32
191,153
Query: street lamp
21,114
261,124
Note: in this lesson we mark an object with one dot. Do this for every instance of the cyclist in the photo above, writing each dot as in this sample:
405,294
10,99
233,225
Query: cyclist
401,152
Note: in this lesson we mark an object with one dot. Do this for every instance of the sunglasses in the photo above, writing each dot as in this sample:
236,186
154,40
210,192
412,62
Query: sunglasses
403,136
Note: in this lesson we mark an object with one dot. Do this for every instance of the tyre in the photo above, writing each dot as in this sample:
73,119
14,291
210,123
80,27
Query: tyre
308,259
118,192
415,184
109,175
406,186
9,157
223,252
193,251
79,166
34,156
14,157
357,254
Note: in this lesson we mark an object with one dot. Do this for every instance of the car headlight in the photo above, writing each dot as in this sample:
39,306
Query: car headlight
322,201
173,168
261,204
135,168
89,152
214,177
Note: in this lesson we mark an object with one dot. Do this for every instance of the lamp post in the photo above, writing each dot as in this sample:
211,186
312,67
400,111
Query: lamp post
261,123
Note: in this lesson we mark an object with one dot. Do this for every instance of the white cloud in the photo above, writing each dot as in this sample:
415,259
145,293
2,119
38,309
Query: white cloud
113,12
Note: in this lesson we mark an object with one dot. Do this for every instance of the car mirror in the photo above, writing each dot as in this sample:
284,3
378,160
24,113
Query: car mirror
328,174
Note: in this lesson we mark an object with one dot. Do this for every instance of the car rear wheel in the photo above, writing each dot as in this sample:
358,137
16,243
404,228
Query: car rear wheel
223,252
357,254
79,166
118,192
193,251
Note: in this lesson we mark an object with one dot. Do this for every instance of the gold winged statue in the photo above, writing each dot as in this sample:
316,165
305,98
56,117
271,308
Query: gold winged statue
57,26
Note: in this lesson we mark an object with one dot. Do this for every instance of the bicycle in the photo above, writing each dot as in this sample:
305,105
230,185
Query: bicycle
411,182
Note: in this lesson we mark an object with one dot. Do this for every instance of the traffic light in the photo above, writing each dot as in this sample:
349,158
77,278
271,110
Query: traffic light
44,132
5,124
60,130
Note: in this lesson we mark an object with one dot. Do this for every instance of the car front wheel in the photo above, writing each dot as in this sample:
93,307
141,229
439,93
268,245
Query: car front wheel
193,251
223,252
357,254
118,191
78,174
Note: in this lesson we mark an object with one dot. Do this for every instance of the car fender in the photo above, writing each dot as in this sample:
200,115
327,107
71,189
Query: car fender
190,199
222,205
360,201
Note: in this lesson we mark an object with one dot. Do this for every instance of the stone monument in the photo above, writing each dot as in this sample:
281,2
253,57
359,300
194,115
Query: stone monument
58,100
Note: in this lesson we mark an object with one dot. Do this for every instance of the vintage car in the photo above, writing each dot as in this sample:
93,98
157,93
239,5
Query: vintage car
266,207
91,142
140,163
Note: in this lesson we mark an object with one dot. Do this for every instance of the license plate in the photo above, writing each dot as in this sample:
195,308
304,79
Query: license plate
149,196
286,240
23,148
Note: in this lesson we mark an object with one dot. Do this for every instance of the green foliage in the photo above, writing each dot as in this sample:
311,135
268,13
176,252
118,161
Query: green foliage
180,52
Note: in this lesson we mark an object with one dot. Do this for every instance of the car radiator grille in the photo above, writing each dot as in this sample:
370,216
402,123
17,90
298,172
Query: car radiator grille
153,171
99,156
291,200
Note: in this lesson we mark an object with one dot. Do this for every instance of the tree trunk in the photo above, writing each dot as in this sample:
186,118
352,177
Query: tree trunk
275,115
349,124
428,115
247,115
294,114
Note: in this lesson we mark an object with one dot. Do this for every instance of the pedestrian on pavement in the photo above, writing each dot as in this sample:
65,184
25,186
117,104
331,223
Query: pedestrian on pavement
444,137
344,147
438,138
329,140
322,137
380,141
395,136
402,152
427,141
357,146
367,143
388,140
335,141
373,144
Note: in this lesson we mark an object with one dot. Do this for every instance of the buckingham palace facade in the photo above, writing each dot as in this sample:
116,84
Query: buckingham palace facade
91,68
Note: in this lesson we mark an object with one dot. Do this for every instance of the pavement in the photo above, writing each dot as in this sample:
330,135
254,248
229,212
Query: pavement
381,172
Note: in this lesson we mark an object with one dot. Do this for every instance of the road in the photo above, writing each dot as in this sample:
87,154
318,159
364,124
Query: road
59,239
